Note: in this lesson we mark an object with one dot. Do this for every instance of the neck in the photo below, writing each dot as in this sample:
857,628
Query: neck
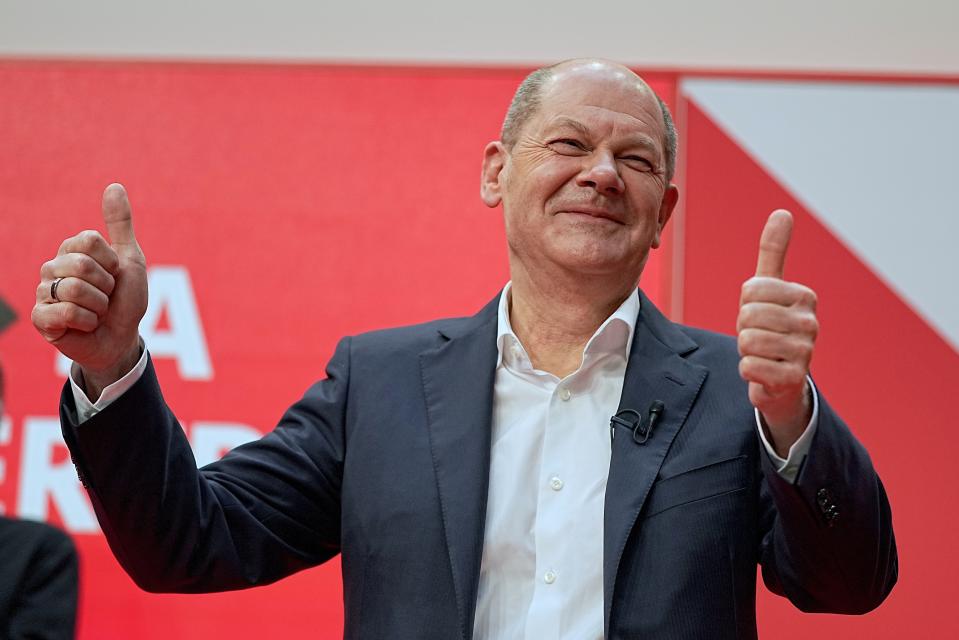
554,317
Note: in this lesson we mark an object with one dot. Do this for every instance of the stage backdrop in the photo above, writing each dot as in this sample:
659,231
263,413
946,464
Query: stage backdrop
282,207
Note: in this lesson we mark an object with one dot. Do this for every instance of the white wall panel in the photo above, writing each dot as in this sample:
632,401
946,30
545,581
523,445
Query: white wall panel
845,35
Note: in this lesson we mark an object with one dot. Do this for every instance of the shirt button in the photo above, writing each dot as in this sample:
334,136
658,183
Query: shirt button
555,483
565,394
549,577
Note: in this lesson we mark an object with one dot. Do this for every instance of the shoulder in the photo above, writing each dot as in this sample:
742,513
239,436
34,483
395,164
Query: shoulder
411,339
414,339
30,534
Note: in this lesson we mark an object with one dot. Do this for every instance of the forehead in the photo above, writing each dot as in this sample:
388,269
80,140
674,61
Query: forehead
600,97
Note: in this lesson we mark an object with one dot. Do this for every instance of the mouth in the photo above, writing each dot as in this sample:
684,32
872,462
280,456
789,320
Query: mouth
599,214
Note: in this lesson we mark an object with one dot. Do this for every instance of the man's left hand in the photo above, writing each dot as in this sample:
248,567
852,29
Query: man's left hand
777,329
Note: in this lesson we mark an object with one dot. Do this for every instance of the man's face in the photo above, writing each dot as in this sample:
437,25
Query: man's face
584,188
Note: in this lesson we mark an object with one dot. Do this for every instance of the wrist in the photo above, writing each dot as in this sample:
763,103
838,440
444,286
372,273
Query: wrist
96,380
784,429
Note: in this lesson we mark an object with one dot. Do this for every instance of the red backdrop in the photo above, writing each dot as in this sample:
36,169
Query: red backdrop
281,207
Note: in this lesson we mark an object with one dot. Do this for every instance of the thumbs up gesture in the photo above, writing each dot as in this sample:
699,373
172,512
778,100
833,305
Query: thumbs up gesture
777,329
93,294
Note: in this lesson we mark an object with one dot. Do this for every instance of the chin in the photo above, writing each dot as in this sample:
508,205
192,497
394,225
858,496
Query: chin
595,262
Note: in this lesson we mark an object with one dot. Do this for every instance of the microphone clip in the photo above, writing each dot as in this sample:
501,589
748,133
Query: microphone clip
633,420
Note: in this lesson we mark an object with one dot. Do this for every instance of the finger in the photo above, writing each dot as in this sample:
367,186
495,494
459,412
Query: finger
118,216
53,320
77,291
78,265
94,245
776,291
775,346
762,398
773,244
774,375
778,318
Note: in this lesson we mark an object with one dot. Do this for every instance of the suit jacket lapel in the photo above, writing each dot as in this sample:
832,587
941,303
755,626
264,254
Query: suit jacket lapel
458,381
656,370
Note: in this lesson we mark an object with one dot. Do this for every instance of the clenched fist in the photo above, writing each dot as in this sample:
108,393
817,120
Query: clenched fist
777,329
93,312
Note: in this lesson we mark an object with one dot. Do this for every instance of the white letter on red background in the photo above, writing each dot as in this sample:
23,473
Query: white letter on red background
41,478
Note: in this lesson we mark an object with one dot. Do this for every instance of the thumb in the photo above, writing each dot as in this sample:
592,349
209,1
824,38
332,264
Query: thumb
773,244
118,216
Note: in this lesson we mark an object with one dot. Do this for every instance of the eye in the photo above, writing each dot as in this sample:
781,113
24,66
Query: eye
567,145
638,162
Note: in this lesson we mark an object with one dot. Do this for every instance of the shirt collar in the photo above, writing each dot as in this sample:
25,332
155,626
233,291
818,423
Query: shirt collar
614,336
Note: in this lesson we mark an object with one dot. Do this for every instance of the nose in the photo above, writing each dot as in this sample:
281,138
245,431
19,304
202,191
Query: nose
601,173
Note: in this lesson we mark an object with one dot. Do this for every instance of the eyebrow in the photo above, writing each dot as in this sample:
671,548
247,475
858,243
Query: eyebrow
645,142
566,121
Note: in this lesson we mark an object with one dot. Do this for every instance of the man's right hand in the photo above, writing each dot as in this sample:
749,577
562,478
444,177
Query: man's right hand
100,298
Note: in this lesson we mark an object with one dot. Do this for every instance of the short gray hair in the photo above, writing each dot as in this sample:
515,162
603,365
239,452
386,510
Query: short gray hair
529,95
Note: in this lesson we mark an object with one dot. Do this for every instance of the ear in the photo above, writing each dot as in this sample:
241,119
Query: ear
670,198
495,157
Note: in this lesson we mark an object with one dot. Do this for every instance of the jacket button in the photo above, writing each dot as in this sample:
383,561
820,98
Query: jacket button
824,498
831,516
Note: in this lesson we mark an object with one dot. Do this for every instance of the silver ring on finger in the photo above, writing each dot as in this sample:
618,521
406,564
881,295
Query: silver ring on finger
53,289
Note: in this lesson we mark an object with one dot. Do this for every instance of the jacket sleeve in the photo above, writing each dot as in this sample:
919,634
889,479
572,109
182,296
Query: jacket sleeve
827,541
266,510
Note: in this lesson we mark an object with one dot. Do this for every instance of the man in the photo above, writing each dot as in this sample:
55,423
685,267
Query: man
466,469
38,578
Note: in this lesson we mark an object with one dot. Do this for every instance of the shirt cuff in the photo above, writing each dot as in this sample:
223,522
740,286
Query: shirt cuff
110,394
789,468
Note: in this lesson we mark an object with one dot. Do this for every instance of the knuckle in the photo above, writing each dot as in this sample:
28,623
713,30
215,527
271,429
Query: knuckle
747,367
809,325
46,269
86,240
83,265
807,297
36,317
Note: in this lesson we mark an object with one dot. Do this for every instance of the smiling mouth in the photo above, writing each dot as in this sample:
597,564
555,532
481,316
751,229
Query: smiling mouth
593,213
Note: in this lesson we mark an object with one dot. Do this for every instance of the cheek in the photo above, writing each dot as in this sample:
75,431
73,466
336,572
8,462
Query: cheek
551,178
646,197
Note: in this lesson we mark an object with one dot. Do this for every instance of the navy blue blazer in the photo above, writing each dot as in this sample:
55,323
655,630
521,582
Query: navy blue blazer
386,462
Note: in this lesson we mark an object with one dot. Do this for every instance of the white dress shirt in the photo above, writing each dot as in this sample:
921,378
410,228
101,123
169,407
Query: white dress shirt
541,576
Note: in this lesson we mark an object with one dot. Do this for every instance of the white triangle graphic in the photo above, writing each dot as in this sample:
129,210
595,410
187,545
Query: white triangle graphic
876,163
